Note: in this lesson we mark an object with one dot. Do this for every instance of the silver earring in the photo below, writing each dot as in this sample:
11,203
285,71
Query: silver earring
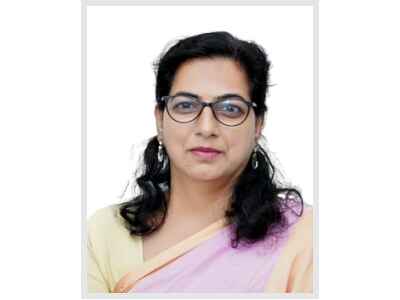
160,154
254,161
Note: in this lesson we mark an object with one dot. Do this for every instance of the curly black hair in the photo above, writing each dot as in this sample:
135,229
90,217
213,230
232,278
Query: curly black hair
258,201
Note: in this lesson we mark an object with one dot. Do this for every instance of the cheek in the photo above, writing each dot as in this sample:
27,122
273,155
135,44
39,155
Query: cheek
242,145
247,134
174,138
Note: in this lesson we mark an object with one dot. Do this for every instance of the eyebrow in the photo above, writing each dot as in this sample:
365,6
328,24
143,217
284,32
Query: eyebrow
229,95
223,96
183,93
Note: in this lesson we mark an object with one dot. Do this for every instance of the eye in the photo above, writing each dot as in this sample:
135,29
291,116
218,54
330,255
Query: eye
181,105
231,109
184,105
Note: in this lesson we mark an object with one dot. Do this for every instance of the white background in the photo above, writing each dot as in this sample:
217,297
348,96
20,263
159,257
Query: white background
121,83
40,149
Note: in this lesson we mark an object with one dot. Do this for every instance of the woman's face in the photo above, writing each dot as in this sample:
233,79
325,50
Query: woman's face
208,78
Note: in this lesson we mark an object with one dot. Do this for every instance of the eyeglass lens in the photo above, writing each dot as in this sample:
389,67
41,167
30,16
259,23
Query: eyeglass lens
230,111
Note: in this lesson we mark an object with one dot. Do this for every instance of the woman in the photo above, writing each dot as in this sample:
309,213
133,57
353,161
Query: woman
210,217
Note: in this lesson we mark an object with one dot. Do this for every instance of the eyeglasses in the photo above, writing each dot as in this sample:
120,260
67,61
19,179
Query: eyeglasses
231,110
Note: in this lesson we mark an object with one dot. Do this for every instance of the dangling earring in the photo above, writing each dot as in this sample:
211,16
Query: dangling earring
254,161
160,154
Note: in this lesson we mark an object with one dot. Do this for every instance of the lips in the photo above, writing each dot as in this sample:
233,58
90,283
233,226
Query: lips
205,149
205,152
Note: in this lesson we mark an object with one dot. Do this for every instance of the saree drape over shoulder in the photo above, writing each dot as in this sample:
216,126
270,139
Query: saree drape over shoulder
202,263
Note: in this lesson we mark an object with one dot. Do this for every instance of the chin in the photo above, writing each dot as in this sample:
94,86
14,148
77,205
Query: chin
203,172
205,175
205,178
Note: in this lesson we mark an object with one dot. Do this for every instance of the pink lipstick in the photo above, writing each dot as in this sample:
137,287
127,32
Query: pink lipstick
205,152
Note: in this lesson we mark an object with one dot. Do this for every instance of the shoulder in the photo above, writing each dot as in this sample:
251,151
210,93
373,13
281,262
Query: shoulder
104,216
299,222
298,214
112,251
305,223
104,213
301,230
293,271
305,219
106,222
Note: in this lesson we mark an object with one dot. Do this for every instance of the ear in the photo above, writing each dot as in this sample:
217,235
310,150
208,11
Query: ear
259,127
158,115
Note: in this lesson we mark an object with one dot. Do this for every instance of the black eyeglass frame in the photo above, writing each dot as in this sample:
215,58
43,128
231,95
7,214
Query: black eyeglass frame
204,104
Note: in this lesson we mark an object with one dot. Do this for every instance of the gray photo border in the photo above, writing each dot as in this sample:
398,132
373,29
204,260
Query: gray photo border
84,5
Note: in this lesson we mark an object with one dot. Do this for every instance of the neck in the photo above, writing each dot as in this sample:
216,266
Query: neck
198,201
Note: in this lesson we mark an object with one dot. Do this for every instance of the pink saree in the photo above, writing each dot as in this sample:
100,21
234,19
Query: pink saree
206,263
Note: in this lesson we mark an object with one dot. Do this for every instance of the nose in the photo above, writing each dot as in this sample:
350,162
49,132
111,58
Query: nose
206,124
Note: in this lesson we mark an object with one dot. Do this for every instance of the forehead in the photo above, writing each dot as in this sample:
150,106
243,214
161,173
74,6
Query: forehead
211,77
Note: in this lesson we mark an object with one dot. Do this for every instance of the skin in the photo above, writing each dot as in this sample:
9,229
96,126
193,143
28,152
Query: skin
201,189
